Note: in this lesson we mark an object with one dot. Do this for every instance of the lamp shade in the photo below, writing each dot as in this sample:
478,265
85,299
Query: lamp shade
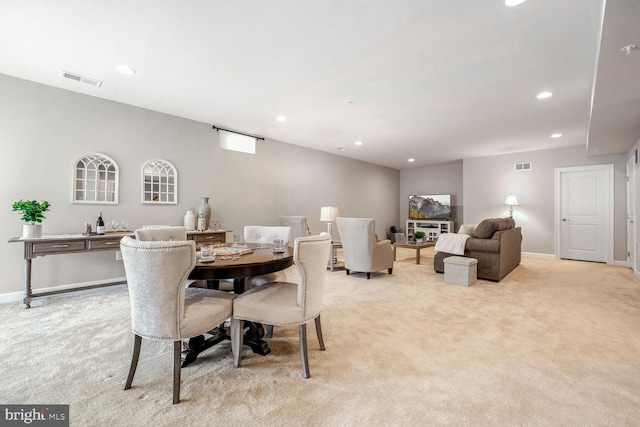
511,200
328,213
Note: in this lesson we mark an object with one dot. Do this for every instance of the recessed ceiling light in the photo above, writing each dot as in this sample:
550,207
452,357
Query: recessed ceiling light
411,160
341,149
357,143
125,69
281,118
556,135
513,2
544,95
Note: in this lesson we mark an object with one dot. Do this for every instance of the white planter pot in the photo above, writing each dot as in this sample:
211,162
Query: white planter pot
31,231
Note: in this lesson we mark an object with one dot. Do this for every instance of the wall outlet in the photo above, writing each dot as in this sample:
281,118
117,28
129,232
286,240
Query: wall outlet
118,256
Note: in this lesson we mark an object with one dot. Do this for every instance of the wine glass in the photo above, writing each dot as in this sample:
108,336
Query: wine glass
125,225
115,225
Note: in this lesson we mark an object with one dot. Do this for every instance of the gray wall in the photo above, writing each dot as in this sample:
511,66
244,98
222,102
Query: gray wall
43,130
489,180
442,179
482,184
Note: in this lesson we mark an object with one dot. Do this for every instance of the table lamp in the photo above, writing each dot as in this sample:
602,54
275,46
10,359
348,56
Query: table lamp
329,214
511,202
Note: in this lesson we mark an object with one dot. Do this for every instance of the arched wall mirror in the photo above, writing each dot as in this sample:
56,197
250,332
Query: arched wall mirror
95,179
159,182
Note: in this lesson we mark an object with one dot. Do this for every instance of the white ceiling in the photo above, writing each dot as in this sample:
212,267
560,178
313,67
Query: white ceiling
433,80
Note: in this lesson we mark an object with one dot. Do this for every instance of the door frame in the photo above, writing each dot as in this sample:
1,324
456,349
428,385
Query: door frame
609,211
630,188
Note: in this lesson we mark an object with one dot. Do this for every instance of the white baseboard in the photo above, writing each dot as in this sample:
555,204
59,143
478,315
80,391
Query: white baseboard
539,254
19,296
617,263
11,297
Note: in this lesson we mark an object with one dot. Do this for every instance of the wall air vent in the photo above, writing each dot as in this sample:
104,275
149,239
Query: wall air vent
79,78
522,166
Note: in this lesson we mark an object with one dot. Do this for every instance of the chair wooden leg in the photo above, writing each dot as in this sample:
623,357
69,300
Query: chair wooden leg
390,270
319,333
302,330
177,362
237,337
269,332
137,340
347,271
368,276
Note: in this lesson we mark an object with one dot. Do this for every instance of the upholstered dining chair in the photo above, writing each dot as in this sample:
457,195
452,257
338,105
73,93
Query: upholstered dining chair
262,234
361,249
287,303
157,233
166,233
162,307
298,224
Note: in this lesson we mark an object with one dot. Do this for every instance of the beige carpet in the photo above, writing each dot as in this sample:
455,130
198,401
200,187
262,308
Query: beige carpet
556,343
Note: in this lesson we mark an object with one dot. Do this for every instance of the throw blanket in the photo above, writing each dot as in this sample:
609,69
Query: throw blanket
452,243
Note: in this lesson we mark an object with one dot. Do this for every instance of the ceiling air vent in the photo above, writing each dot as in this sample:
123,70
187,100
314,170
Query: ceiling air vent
79,78
522,166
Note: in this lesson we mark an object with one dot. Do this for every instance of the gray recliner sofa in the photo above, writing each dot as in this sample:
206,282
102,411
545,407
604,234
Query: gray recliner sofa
495,243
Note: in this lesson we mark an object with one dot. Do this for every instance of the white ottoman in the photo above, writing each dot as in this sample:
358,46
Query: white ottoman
459,270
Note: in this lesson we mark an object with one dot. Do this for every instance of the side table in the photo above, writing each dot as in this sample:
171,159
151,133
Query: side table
332,254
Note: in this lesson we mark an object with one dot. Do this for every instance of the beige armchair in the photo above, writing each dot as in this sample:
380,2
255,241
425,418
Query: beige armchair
162,307
362,251
287,303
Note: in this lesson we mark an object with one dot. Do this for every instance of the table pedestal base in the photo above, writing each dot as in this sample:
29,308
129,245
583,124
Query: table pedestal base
199,344
252,338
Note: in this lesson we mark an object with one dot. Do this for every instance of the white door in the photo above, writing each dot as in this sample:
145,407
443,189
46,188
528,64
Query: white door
631,213
585,201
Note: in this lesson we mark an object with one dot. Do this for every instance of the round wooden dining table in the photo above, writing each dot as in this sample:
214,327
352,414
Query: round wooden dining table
262,260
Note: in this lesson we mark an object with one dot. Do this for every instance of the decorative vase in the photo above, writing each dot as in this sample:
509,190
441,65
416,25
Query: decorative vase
190,221
31,231
204,211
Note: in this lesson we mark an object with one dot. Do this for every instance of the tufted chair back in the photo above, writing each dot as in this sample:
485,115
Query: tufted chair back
265,234
298,224
161,233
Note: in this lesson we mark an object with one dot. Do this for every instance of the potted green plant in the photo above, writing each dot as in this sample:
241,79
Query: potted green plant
32,214
419,236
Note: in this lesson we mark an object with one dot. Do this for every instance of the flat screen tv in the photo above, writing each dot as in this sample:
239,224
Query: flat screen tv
434,207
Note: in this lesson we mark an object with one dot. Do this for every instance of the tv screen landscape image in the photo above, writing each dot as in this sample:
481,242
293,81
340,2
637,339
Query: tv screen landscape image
433,207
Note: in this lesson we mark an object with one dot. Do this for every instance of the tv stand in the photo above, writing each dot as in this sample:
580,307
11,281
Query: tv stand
431,228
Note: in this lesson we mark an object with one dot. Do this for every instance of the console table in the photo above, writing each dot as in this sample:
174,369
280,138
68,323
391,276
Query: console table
76,243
